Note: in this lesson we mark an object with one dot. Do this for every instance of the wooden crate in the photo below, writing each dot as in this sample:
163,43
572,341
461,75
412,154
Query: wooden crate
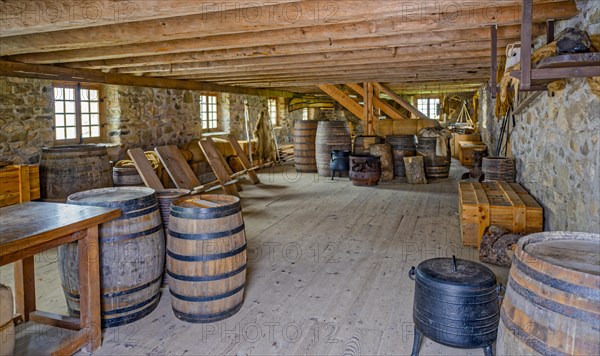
456,138
19,184
465,151
504,204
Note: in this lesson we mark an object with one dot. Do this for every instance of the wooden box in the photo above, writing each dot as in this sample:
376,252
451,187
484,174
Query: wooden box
504,204
465,151
19,184
456,138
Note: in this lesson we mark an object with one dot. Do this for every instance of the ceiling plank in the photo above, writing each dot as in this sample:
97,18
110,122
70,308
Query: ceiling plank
12,69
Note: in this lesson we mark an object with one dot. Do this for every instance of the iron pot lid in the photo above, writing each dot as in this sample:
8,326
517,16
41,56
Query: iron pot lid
467,273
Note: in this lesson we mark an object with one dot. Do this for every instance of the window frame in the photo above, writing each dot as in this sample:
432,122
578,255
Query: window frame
79,139
428,106
217,118
275,118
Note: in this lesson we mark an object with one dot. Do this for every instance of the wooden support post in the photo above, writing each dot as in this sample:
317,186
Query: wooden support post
549,31
368,106
493,84
405,104
526,27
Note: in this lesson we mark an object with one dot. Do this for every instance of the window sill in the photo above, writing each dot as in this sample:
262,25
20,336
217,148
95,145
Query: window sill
219,133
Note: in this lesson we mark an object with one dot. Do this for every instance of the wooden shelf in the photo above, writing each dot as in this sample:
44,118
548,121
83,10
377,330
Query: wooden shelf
564,66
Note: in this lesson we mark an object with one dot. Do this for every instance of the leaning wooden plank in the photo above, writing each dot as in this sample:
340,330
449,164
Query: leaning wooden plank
415,171
144,168
218,165
243,159
178,169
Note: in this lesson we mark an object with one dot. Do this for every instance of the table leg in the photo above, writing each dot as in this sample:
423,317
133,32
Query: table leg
89,287
24,287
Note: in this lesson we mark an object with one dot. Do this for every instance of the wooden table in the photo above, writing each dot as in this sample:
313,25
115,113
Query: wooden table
30,228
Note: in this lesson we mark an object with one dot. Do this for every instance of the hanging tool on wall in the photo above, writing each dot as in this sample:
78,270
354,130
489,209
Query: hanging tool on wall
248,137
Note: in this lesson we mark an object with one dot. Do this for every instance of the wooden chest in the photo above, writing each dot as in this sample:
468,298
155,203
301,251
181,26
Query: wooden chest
19,184
465,151
504,204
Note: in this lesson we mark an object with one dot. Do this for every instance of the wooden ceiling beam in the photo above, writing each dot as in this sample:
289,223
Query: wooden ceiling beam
25,17
326,66
12,69
230,21
242,51
481,14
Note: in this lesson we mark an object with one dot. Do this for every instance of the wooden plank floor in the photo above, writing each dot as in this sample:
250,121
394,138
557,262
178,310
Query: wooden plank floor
327,273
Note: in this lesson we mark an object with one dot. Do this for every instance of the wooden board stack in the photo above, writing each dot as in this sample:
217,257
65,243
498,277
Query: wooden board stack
19,183
507,205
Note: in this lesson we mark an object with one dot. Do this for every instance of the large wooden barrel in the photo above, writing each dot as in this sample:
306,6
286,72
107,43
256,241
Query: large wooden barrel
305,133
435,166
7,327
126,177
331,135
65,170
552,301
132,255
499,168
206,257
402,146
362,143
365,170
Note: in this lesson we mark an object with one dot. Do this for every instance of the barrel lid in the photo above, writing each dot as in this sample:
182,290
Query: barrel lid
471,274
572,250
207,201
109,196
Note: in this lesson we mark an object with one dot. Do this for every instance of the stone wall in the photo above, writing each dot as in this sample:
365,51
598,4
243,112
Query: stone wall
150,117
556,145
26,119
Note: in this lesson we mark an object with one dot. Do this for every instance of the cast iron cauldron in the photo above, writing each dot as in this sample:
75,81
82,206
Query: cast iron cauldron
340,162
455,304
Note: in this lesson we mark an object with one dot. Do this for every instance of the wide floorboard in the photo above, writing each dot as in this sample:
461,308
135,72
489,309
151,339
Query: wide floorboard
327,274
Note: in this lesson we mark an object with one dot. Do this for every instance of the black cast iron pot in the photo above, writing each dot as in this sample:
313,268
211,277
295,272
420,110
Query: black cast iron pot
340,162
455,304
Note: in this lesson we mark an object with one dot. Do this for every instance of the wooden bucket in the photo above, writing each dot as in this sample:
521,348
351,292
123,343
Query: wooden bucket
132,255
552,301
7,327
165,197
362,143
126,177
206,257
365,170
331,135
305,132
402,146
65,170
499,168
435,166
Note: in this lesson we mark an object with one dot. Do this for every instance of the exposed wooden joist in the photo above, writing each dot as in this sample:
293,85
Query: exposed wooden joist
24,17
241,49
11,69
365,29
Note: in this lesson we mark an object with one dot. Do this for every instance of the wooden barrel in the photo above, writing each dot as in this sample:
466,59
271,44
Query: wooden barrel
435,166
362,143
305,133
384,152
499,168
402,146
552,301
331,135
365,170
206,257
132,255
165,197
126,176
65,170
7,327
